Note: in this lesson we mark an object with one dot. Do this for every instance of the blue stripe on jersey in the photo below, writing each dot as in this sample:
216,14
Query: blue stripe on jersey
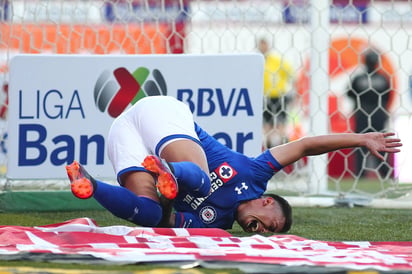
174,136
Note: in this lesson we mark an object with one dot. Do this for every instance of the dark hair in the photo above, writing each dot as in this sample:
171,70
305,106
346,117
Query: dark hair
286,210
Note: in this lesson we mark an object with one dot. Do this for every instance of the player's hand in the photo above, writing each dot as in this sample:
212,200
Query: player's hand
382,142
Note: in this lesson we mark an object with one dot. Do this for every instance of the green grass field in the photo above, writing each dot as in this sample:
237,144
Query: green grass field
328,224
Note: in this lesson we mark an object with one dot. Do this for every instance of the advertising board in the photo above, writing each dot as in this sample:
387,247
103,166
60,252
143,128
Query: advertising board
62,106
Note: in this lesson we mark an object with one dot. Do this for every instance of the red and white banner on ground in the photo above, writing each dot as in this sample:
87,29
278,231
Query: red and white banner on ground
124,244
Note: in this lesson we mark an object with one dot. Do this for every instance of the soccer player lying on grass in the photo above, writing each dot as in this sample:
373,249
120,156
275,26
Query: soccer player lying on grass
162,158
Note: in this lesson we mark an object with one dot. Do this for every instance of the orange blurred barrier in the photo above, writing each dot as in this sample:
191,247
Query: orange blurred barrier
97,39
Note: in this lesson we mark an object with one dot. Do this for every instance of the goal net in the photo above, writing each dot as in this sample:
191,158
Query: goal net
315,51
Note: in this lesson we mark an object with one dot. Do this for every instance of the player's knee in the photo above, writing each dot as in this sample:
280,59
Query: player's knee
192,178
204,187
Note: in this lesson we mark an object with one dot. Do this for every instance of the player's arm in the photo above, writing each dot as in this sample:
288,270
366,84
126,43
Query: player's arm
375,142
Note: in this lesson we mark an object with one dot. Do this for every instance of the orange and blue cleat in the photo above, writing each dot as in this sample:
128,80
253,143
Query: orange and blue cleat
166,181
82,184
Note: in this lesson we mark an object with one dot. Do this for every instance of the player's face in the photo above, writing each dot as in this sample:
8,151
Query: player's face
262,216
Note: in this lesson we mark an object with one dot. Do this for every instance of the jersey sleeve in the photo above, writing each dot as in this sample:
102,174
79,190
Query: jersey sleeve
187,220
265,166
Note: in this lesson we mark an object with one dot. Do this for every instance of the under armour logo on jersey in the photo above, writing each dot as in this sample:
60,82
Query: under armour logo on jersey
225,172
239,189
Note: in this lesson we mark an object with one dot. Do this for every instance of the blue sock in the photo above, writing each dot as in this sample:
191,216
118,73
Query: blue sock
124,204
191,177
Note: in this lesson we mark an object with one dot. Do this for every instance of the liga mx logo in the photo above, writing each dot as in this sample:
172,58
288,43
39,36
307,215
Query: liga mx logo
113,92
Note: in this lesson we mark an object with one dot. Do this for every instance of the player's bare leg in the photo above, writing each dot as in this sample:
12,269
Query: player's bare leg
185,150
188,162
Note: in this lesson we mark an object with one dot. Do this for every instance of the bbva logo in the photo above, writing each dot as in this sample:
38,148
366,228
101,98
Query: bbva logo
113,92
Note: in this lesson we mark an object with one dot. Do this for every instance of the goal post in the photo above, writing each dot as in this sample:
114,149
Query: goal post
319,61
323,41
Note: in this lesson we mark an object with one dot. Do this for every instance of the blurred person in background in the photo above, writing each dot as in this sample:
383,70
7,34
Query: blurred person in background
278,85
370,91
